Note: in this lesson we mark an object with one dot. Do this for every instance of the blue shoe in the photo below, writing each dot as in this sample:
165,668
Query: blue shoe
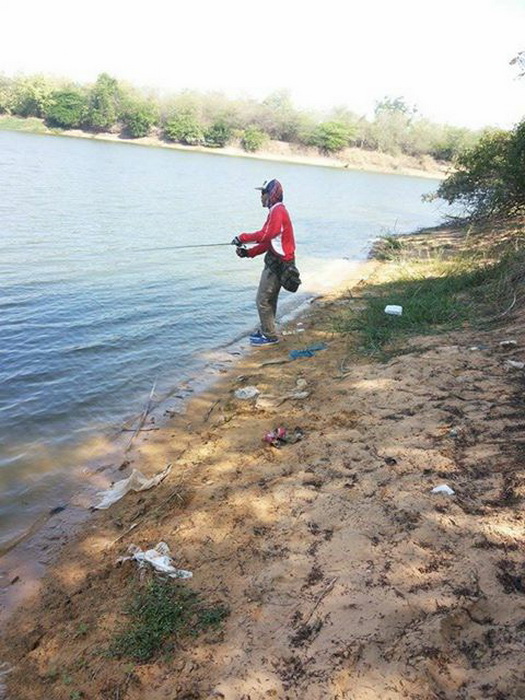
263,340
257,334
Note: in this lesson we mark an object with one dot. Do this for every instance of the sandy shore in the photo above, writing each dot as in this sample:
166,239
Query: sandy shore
277,151
344,576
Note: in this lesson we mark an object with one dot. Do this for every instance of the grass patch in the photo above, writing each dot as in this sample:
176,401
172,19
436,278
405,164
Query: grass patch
436,295
32,124
159,614
388,247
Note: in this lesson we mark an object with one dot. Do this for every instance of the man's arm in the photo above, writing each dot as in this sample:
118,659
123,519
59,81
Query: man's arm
271,228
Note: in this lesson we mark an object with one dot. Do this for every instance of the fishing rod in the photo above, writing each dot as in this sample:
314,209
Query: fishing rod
182,247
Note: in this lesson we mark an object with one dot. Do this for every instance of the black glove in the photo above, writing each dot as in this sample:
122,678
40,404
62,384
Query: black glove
242,252
236,241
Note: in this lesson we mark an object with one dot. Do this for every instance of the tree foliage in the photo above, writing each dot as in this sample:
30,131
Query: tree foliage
330,137
32,96
103,104
184,128
67,109
252,139
490,177
138,117
217,135
7,90
519,60
215,120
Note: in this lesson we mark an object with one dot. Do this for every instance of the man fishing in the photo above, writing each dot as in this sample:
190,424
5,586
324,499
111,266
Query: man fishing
276,239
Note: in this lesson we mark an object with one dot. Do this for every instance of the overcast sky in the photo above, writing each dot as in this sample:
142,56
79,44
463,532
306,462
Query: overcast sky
449,58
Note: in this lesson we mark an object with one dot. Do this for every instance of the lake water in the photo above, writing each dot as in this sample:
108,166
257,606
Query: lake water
96,305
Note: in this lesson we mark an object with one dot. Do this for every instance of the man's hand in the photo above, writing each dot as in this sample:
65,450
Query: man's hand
236,241
242,252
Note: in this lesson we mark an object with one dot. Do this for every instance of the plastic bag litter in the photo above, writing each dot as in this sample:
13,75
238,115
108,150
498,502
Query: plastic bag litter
281,436
515,364
294,332
444,488
159,558
269,402
135,482
393,310
307,352
247,392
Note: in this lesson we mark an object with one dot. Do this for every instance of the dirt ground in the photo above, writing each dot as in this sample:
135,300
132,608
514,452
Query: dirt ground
345,576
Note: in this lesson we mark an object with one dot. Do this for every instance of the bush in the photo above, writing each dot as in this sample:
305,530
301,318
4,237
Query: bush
68,109
7,90
32,96
490,177
330,137
138,118
103,104
252,139
452,141
184,128
217,135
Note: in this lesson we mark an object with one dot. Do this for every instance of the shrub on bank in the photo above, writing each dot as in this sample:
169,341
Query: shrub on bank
489,177
217,135
252,139
104,102
193,118
330,137
138,118
185,129
67,109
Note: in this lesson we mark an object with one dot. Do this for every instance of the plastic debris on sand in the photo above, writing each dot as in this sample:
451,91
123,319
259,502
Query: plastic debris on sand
159,558
281,436
247,392
444,488
515,364
307,352
135,482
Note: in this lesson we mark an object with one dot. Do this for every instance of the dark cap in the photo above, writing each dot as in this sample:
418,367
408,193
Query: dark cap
266,186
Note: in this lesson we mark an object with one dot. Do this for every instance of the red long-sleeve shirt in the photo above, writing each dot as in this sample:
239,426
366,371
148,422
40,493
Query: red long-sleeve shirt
276,235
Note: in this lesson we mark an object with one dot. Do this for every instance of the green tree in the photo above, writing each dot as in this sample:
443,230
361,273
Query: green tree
392,120
252,139
184,128
7,96
217,135
330,137
279,119
67,109
104,104
32,96
139,117
450,141
490,177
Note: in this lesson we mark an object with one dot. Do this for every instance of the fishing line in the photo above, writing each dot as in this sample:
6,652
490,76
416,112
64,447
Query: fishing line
178,247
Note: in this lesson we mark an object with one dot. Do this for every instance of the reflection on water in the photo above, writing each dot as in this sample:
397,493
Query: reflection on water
95,308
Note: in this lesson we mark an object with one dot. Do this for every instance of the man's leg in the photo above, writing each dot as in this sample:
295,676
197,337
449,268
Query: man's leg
267,294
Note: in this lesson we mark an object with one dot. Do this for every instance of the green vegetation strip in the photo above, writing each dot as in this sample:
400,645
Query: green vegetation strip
436,296
32,124
159,614
214,120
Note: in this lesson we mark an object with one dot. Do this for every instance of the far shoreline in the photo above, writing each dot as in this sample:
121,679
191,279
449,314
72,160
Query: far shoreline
352,159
